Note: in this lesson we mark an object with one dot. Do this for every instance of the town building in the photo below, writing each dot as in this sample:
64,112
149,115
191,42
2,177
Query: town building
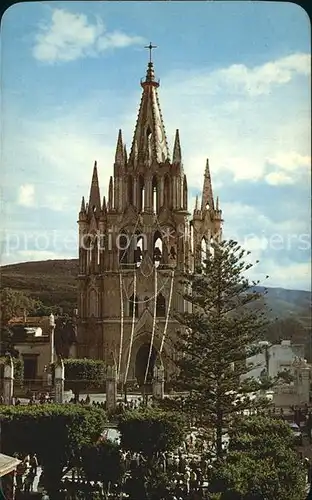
135,244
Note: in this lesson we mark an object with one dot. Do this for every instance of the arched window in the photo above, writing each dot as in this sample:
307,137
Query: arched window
157,248
167,191
130,190
141,193
173,253
139,248
123,247
134,303
160,305
155,194
146,301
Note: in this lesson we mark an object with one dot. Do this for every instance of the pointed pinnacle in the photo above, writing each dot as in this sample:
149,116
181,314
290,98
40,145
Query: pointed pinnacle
196,202
207,169
104,208
119,155
177,157
94,199
110,193
83,205
217,204
207,195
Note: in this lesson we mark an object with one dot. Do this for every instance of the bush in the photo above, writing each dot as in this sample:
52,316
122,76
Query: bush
83,374
150,431
56,433
261,463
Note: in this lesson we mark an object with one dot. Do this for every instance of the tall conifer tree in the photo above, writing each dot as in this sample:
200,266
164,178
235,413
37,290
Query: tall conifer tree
225,326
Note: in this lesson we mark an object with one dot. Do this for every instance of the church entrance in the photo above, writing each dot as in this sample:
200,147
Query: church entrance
141,363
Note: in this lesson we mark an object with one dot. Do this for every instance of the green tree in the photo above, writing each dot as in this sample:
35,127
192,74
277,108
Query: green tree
261,463
101,462
14,303
56,433
83,374
227,321
150,431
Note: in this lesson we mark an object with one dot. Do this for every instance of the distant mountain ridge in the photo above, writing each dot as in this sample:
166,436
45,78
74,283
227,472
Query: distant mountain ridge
54,283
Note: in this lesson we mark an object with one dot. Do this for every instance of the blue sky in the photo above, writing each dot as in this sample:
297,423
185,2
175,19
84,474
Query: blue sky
235,79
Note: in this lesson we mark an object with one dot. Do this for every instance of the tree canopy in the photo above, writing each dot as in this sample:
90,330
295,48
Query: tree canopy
261,462
83,374
54,432
150,430
13,303
226,323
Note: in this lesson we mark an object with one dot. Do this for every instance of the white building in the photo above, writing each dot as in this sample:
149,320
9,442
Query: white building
279,357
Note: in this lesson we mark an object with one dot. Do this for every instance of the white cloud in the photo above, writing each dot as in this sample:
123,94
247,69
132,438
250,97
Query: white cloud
248,121
71,36
277,178
290,160
26,195
260,79
117,39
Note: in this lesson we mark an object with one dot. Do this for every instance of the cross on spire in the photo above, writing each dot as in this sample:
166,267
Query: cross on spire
150,47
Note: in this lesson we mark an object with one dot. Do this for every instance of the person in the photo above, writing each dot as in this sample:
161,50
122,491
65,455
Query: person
33,464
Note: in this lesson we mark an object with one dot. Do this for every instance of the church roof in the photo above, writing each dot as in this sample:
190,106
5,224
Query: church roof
149,140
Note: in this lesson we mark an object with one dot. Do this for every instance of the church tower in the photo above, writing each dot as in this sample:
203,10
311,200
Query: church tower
134,247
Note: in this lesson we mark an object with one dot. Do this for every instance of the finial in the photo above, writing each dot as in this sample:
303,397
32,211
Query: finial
176,158
83,205
196,202
207,169
217,204
207,194
150,47
110,193
94,198
119,156
104,208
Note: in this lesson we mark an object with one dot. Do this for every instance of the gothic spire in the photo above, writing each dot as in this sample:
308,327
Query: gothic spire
207,195
176,157
149,135
83,205
110,193
104,208
119,155
94,198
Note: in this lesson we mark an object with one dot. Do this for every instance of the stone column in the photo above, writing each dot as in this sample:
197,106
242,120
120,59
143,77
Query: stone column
8,381
158,383
59,379
111,387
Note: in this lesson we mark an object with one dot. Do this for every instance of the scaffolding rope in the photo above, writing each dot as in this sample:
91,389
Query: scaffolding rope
154,326
121,324
168,314
132,330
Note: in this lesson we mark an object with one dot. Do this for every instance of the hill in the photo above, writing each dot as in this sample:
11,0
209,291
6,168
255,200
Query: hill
54,283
